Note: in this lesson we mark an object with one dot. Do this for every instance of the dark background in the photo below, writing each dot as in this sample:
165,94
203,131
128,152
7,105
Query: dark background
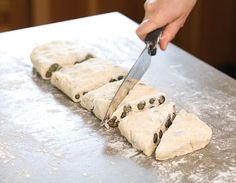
209,33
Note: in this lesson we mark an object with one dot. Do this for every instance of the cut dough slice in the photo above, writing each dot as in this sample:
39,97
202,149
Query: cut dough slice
77,80
187,134
97,101
49,57
139,98
145,129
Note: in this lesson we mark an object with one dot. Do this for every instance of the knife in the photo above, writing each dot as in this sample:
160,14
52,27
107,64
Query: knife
136,72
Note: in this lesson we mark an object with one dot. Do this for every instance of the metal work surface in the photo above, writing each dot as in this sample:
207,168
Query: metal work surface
45,137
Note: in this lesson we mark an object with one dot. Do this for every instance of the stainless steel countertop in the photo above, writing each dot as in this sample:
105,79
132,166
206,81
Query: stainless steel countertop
45,137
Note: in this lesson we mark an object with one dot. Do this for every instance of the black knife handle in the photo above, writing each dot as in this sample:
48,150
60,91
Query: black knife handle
151,40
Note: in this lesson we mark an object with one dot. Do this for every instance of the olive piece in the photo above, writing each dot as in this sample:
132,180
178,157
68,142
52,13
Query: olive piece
152,100
113,119
127,108
141,105
88,56
112,80
123,114
173,116
112,122
85,92
116,124
161,99
120,78
77,96
48,74
51,69
160,133
155,138
168,122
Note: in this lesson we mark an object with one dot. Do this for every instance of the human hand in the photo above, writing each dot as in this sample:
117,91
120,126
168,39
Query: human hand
170,14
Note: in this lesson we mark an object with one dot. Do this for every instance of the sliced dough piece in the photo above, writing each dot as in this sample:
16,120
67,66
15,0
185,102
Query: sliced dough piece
187,134
77,80
51,56
144,129
139,98
97,101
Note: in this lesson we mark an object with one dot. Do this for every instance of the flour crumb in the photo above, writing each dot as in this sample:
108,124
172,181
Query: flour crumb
44,151
58,154
85,174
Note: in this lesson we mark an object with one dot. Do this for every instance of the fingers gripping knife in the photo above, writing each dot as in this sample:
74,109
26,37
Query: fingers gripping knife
136,72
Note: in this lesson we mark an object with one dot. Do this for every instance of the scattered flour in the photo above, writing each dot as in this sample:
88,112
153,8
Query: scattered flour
6,155
58,154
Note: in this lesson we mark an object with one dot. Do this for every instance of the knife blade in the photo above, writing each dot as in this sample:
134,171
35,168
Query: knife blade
136,72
